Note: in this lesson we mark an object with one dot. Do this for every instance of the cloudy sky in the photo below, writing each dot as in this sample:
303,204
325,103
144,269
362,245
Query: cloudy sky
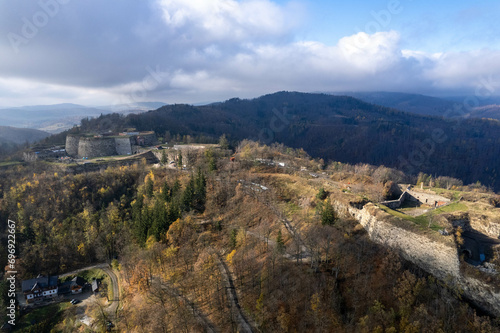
96,52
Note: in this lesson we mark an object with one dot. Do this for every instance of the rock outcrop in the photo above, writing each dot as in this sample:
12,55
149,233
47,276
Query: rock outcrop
438,257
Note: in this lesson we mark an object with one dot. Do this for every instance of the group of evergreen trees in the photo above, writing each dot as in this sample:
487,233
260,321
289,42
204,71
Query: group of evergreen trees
325,208
154,211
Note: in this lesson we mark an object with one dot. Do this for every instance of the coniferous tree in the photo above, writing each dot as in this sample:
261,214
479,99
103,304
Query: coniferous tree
233,238
200,192
164,158
188,195
223,143
328,216
173,212
322,194
149,186
212,163
166,192
176,188
179,160
160,220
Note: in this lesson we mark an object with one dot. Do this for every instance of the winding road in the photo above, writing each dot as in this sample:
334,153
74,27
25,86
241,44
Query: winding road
113,307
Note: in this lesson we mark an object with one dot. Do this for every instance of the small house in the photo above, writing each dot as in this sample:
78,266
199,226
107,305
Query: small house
40,288
77,284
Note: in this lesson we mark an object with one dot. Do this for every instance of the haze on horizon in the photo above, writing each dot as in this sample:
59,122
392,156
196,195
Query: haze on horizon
178,51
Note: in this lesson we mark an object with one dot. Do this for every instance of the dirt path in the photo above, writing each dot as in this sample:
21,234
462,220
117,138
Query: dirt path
243,325
200,316
303,253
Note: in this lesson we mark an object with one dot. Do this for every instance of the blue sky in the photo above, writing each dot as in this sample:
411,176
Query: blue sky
431,26
122,51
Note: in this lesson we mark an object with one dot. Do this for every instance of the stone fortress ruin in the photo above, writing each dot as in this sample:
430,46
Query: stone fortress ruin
109,144
417,197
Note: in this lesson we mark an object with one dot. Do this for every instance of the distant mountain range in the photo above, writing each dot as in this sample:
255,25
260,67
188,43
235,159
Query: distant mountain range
433,106
60,117
338,128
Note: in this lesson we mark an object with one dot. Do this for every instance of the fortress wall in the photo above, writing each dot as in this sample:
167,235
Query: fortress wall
477,222
436,258
72,145
394,204
123,146
427,198
96,147
145,139
149,138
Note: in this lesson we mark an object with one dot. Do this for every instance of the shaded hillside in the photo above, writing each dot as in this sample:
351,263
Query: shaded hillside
339,128
488,111
414,103
14,135
427,105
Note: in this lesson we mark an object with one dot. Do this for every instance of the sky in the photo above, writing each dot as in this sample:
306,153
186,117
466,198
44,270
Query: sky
194,51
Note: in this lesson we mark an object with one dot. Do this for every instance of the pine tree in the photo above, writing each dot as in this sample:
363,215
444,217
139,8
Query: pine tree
322,194
143,225
149,187
328,216
200,192
223,143
160,220
176,188
164,158
212,165
179,160
188,196
232,238
173,212
166,192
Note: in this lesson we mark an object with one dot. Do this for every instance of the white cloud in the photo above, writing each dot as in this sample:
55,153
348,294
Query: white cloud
465,69
207,50
225,20
371,53
21,92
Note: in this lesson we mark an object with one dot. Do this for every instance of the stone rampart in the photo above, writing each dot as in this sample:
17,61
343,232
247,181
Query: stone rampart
123,146
440,259
72,145
394,204
427,198
146,139
431,199
96,147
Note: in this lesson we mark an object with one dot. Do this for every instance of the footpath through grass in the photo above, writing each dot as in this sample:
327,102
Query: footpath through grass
426,221
9,163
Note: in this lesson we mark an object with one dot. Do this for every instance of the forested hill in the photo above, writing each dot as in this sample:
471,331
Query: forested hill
338,128
20,135
414,103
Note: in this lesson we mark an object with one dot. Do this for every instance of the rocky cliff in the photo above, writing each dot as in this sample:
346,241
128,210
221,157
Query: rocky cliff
438,257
